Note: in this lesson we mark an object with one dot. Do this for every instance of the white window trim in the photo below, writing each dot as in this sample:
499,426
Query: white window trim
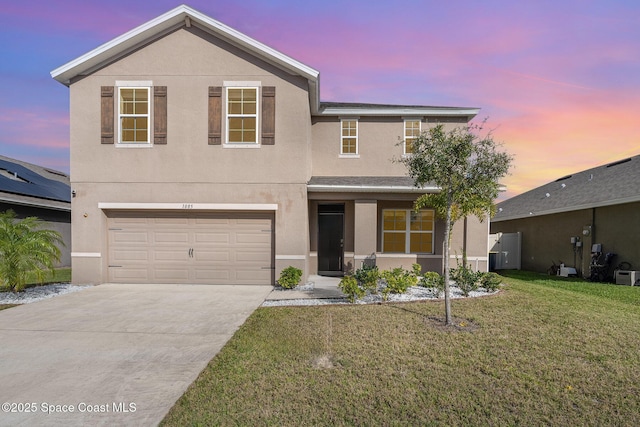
242,85
404,140
135,84
407,233
357,153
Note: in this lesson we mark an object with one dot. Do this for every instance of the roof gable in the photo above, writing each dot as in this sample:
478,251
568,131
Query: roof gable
183,16
610,184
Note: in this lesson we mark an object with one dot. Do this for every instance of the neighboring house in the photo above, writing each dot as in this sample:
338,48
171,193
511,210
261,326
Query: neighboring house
200,155
560,221
31,190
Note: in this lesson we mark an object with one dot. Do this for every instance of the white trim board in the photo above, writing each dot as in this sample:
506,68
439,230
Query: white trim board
192,206
86,255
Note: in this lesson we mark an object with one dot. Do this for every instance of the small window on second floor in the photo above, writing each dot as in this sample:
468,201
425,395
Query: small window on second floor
133,115
411,132
349,138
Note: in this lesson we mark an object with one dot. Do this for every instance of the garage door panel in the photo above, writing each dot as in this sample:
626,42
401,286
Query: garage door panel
210,237
252,257
194,247
129,274
221,277
213,221
172,275
255,239
130,255
177,222
174,237
181,255
125,236
128,220
212,256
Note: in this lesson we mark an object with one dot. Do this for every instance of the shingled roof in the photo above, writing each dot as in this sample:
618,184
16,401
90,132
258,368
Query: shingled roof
611,184
369,184
355,108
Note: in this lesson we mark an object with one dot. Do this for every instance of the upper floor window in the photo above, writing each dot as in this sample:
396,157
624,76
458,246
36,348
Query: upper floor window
133,115
349,138
411,132
242,115
407,231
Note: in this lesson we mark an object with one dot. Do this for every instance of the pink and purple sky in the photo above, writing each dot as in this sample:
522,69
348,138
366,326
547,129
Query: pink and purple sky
559,81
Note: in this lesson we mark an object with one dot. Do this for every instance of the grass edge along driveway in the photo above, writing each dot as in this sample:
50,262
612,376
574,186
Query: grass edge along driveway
543,351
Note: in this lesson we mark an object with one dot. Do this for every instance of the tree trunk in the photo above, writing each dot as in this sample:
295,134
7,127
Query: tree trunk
445,263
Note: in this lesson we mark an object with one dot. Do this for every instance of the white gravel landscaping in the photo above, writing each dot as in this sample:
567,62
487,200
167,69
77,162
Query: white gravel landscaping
38,293
414,293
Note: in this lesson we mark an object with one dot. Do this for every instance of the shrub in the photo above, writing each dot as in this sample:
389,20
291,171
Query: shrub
290,277
433,281
398,281
417,269
490,281
25,248
367,278
349,286
465,278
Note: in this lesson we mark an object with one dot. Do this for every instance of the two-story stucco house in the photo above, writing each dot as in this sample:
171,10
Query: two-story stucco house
200,155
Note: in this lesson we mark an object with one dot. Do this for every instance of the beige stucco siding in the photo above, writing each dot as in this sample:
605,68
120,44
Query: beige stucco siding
378,147
188,64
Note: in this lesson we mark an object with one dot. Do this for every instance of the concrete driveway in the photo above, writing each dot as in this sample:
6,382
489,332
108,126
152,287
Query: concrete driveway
113,354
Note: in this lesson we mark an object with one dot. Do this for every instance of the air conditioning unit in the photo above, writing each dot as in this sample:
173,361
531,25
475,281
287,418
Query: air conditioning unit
627,277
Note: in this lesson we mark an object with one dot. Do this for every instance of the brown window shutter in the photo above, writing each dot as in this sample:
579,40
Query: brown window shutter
268,115
215,115
160,115
106,115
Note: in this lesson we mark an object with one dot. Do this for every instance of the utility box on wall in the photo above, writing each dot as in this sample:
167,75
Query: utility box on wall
629,278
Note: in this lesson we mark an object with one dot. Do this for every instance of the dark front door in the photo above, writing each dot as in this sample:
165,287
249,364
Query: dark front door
330,239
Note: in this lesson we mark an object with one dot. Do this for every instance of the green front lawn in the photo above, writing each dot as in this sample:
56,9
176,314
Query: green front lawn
543,352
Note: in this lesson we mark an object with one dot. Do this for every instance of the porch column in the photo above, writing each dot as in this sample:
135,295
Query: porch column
365,230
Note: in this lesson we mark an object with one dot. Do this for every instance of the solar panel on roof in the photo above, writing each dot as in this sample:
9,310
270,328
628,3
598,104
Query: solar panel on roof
31,183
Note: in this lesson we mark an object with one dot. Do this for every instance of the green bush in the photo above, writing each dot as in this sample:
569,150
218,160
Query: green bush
490,281
25,248
398,281
367,278
349,286
433,281
465,278
417,269
290,277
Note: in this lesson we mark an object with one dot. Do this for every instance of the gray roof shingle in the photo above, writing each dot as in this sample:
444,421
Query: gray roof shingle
614,183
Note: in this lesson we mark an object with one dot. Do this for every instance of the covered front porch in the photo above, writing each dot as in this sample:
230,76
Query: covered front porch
370,220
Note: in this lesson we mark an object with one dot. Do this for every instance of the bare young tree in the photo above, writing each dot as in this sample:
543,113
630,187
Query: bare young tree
466,167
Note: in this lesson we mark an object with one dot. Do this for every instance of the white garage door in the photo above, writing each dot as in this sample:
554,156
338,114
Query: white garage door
208,248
